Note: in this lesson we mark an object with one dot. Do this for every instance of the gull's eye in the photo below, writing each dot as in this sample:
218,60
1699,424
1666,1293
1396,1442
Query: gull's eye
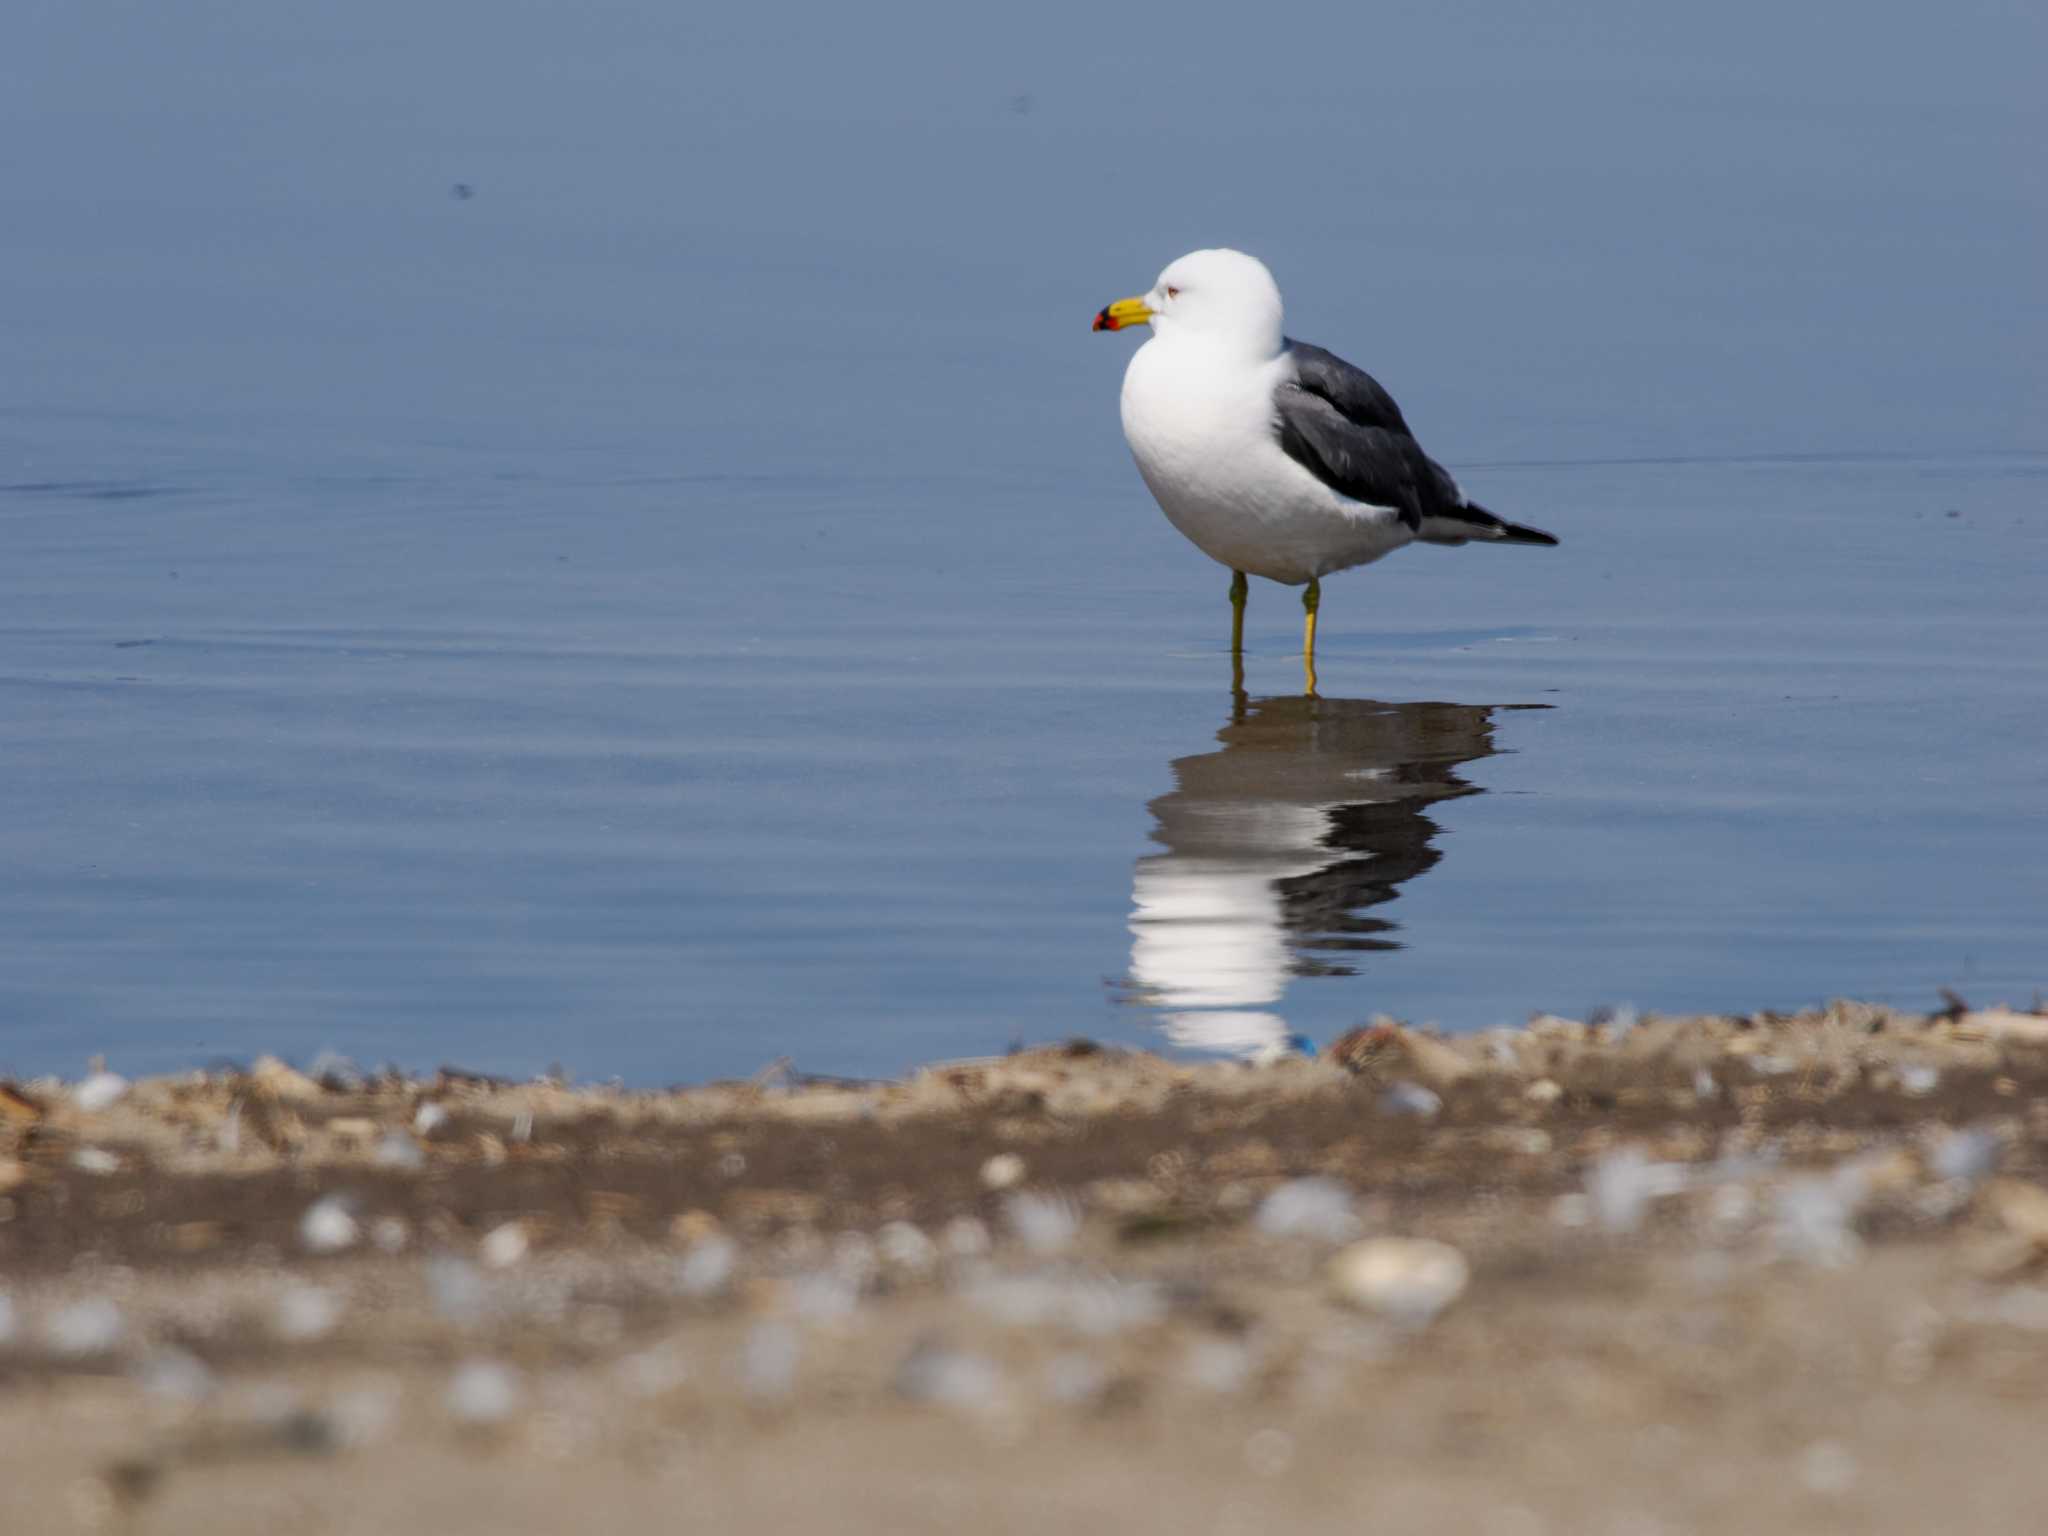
1173,293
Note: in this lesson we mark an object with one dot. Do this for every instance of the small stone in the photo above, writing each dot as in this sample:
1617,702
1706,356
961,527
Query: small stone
457,1288
1408,1279
707,1268
328,1226
395,1149
483,1392
1045,1223
504,1245
1970,1155
1003,1171
92,1327
306,1312
275,1080
1317,1208
428,1118
335,1072
950,1378
966,1237
1406,1098
100,1091
1917,1079
1543,1091
1622,1185
903,1247
176,1375
95,1160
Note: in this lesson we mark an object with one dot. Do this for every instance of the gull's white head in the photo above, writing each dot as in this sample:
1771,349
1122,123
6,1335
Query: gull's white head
1223,297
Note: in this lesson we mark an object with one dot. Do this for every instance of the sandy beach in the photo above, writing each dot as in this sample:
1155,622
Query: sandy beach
1633,1275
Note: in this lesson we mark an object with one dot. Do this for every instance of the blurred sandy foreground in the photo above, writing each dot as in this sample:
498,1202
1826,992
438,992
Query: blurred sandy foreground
1640,1276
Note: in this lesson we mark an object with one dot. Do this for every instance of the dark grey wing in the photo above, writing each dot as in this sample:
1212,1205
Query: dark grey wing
1339,424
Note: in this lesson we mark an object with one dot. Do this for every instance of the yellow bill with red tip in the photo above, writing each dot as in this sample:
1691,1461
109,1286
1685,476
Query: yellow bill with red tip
1122,313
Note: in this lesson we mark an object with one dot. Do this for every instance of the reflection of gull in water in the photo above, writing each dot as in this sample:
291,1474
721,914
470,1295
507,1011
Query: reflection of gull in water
1311,812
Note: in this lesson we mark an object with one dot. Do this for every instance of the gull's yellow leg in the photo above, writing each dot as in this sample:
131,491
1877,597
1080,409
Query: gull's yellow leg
1311,600
1239,589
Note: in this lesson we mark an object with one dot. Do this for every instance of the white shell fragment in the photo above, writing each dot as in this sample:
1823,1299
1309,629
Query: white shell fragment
1408,1279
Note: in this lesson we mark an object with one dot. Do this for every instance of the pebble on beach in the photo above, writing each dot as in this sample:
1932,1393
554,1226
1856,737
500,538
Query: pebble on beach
328,1226
1407,1279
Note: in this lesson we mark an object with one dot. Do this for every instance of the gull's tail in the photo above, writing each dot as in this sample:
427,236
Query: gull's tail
1473,523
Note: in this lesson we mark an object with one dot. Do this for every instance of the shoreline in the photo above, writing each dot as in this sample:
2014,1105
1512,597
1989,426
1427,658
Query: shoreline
1707,1273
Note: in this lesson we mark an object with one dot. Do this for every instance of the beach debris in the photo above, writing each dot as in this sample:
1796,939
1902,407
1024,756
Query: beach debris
1406,1098
176,1375
1043,1221
306,1312
935,1373
1814,1216
824,1298
1005,1170
483,1392
1917,1079
1406,1279
504,1245
395,1149
277,1080
335,1072
1622,1185
328,1226
94,1326
903,1246
1314,1207
457,1288
1095,1305
100,1091
1970,1156
706,1269
95,1160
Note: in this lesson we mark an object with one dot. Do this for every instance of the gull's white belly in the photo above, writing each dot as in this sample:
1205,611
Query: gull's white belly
1203,439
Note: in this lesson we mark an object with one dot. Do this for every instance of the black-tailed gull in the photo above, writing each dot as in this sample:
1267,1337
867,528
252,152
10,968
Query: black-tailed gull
1276,458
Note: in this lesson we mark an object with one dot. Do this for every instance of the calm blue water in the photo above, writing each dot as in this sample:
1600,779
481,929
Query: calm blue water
688,602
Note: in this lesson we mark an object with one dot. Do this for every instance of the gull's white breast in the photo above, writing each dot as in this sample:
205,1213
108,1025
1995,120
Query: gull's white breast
1200,425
